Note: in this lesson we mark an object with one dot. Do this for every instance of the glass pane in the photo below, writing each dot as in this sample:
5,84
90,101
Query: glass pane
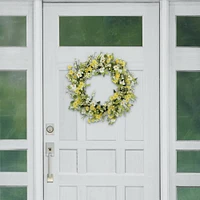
12,31
13,161
12,105
13,193
188,106
101,31
188,31
188,161
188,193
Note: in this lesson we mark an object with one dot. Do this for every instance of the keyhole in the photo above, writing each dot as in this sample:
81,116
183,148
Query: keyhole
49,149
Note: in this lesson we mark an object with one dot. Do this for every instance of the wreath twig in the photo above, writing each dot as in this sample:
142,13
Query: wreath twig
121,100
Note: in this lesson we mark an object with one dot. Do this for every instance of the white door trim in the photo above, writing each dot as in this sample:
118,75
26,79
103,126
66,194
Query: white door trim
38,101
164,103
164,99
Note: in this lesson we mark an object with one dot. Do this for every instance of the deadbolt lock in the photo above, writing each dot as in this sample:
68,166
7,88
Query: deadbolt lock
50,129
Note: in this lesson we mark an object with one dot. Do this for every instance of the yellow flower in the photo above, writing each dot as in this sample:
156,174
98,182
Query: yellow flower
87,108
127,97
89,69
77,91
81,85
117,75
78,101
108,60
122,63
74,76
115,96
94,63
117,61
110,109
98,117
75,104
70,72
69,67
110,56
92,107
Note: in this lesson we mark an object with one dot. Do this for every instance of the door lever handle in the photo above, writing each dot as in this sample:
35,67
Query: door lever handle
50,154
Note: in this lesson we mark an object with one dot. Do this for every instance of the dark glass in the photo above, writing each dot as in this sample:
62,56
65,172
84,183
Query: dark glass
12,31
188,105
13,105
13,161
100,31
188,161
188,193
13,193
188,31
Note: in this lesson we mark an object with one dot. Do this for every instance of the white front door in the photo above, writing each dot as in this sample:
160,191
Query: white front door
100,161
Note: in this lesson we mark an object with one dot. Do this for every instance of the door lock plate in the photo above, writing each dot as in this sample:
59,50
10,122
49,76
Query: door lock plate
50,148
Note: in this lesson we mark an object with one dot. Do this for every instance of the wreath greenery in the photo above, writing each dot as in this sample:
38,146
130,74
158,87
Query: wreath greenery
118,104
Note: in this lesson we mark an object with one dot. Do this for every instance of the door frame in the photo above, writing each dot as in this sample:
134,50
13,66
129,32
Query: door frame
38,93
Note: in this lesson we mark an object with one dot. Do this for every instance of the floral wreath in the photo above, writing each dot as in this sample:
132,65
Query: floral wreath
118,104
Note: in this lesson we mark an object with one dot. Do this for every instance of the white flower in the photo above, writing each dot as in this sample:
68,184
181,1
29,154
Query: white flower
79,74
102,70
83,111
123,103
116,67
73,87
120,71
122,82
87,100
102,60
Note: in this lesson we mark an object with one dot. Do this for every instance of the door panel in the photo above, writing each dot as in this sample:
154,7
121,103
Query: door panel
16,101
184,101
100,161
